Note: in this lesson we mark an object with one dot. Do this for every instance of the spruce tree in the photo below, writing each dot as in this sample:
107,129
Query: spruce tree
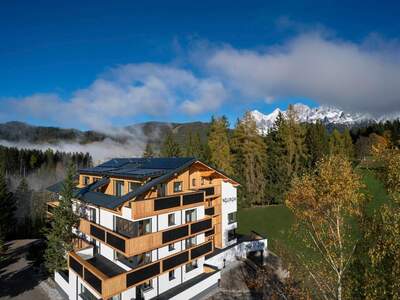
60,236
170,147
335,142
249,154
194,147
218,145
317,142
7,208
287,154
148,151
23,198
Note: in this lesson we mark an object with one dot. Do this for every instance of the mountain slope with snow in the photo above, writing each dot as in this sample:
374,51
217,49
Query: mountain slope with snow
327,115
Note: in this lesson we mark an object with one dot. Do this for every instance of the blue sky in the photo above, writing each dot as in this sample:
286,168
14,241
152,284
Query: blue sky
114,63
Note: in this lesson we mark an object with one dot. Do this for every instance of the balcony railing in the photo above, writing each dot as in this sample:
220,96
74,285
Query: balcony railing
154,206
137,245
108,285
211,190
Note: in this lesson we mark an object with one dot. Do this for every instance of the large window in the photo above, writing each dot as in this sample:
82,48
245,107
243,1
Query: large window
190,242
171,219
86,180
231,235
134,261
232,218
191,266
171,275
92,215
161,190
119,188
178,186
132,229
190,215
86,294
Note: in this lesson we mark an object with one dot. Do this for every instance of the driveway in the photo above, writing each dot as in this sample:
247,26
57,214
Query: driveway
20,278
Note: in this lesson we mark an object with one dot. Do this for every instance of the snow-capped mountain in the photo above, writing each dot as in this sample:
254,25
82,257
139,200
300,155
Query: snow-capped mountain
325,114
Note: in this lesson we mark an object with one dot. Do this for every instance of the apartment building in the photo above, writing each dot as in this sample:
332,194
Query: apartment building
151,228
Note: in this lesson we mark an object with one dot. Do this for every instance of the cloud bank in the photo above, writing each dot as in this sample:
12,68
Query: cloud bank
359,77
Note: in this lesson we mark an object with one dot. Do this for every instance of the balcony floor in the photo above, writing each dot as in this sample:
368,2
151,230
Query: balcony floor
106,266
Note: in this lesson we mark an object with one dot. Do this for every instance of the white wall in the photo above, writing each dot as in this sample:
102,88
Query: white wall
152,292
163,220
229,205
164,252
195,272
164,282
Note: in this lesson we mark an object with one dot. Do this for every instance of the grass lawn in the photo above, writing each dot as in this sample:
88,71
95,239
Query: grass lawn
275,222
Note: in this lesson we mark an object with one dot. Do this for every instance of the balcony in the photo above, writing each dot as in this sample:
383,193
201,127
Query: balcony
137,245
108,279
50,208
161,205
211,191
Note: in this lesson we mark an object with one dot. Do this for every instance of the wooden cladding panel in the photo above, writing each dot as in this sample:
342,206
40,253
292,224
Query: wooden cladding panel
143,243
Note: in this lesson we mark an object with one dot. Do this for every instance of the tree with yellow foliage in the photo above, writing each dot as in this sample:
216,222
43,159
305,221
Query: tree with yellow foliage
323,202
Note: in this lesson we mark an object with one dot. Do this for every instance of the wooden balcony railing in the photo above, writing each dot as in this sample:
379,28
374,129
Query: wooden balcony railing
107,286
50,207
211,190
161,205
137,245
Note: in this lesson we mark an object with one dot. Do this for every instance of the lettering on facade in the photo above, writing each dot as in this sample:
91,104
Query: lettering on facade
229,199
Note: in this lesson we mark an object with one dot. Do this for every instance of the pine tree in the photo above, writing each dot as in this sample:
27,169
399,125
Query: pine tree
7,208
60,236
287,154
316,142
194,147
348,147
23,198
335,142
218,145
170,147
148,151
249,154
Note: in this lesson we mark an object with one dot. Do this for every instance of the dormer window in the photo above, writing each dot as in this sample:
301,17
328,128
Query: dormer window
178,186
86,180
119,188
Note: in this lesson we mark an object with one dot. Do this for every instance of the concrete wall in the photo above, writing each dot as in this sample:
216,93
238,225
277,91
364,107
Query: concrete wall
228,205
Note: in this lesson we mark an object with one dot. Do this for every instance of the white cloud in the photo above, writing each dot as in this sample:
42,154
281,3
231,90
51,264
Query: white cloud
125,92
314,66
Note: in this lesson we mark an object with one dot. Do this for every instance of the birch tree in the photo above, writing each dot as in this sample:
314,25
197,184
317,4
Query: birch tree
323,202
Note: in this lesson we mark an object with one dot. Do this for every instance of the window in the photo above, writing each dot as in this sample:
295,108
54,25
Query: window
86,180
161,190
171,219
232,218
190,242
119,188
178,186
193,181
202,181
190,215
132,229
231,235
86,294
133,186
191,266
134,261
171,275
148,285
171,247
92,215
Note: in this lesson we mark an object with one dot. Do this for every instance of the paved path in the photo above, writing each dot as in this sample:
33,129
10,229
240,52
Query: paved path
20,278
